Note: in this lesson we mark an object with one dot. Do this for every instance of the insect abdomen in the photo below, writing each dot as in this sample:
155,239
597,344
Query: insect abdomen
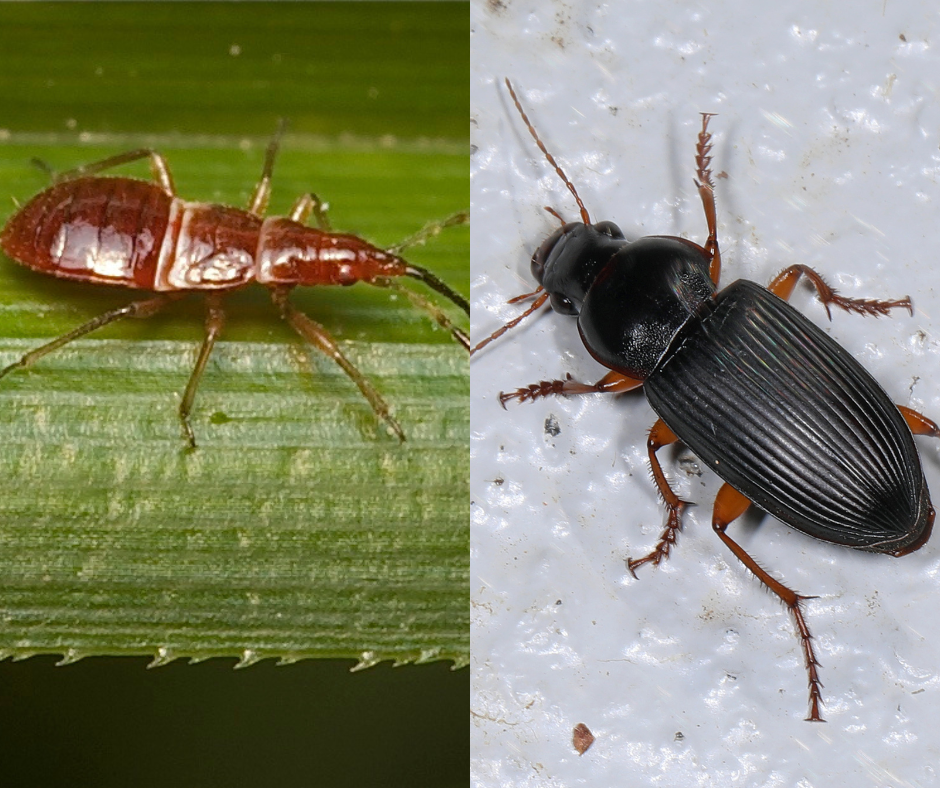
105,230
786,416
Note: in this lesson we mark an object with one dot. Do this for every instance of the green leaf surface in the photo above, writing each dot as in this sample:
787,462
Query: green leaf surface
300,527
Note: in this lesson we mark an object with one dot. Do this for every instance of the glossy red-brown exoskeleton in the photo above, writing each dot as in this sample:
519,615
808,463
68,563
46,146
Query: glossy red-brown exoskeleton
783,414
139,234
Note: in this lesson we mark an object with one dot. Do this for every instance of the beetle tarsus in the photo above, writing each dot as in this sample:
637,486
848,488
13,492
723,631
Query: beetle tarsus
784,283
706,190
667,539
703,151
812,664
611,383
530,393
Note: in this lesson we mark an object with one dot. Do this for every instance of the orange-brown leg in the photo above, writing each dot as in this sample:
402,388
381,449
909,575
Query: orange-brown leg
919,424
783,284
661,435
611,383
729,505
706,190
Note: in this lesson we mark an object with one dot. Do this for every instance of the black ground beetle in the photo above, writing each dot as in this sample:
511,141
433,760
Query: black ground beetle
783,414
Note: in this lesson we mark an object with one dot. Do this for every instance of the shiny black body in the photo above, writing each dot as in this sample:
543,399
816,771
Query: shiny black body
766,399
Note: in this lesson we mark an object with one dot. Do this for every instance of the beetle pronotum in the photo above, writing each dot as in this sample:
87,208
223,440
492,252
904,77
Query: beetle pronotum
785,416
141,235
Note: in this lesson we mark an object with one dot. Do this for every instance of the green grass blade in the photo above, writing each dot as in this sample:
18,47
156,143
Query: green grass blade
300,527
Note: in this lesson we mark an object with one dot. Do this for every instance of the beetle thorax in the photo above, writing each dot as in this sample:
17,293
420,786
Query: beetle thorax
640,299
293,254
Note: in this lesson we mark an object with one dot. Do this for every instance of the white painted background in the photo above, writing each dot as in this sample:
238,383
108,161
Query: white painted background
829,132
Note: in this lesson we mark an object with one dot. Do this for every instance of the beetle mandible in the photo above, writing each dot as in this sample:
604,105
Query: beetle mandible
785,416
141,235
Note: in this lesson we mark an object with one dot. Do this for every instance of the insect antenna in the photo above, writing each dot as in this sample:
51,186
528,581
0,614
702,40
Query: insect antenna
585,217
417,272
515,321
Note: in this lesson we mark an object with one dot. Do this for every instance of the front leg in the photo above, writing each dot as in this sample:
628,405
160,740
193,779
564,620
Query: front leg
611,383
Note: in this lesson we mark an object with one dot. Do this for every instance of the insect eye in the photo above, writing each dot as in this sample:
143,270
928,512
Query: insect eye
608,228
562,305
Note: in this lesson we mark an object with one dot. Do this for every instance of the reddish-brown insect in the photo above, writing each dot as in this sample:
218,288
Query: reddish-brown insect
139,234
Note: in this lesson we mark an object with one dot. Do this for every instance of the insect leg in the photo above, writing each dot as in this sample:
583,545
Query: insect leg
919,424
311,204
317,336
729,505
140,309
431,230
661,435
783,284
706,190
436,314
259,200
158,167
611,383
215,321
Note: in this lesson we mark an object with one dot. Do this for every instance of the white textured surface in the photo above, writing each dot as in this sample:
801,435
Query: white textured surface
829,132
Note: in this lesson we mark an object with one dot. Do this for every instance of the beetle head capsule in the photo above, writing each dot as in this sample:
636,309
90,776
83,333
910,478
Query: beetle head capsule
569,260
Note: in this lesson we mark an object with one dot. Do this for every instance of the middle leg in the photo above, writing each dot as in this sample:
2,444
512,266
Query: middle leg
661,435
784,283
215,321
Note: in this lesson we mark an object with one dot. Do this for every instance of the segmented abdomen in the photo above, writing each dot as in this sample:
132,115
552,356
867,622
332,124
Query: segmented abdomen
123,231
106,230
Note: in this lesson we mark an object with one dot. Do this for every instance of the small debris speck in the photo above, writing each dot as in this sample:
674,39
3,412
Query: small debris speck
582,739
552,427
